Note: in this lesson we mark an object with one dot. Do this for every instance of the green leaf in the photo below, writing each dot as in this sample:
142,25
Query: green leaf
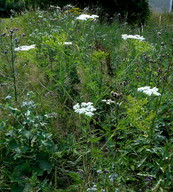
156,187
45,165
27,134
17,188
19,172
142,161
94,139
2,125
13,144
75,176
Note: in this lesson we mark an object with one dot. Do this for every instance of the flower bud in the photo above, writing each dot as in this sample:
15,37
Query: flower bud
3,34
15,29
11,31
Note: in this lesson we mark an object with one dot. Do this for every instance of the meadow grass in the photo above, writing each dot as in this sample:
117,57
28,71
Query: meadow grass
85,110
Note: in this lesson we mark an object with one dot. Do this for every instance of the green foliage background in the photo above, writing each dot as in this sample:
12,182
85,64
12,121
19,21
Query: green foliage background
132,11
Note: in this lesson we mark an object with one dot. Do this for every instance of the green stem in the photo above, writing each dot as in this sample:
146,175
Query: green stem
157,105
56,179
158,101
130,65
13,67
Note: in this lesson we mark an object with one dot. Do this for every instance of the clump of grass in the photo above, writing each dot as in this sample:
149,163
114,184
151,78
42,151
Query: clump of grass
164,19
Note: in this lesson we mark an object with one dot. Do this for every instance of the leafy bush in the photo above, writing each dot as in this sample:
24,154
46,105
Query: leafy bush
25,137
9,7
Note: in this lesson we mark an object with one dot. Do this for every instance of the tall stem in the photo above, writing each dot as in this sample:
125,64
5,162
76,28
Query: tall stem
13,66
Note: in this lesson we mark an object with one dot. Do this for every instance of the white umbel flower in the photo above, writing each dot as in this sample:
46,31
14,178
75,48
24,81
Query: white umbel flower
65,43
88,113
84,108
68,43
85,17
25,48
148,91
94,188
108,101
138,37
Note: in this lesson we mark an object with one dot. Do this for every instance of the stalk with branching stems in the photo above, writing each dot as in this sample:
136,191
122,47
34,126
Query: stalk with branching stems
11,59
159,99
12,64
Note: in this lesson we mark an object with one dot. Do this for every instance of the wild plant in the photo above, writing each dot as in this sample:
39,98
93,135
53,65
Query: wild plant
27,142
118,136
9,41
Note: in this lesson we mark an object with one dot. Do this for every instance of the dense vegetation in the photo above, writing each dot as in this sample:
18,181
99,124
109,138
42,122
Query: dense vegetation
76,112
132,11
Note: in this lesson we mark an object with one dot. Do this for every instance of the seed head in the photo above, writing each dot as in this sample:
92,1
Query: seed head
3,34
11,31
15,29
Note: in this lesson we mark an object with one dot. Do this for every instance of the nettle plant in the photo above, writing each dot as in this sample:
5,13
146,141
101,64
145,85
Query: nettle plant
26,144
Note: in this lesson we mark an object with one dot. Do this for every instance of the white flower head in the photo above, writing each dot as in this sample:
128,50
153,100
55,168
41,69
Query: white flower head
28,104
94,16
65,43
88,113
112,177
108,101
28,112
81,111
138,37
25,48
84,108
148,91
77,106
94,188
8,97
85,17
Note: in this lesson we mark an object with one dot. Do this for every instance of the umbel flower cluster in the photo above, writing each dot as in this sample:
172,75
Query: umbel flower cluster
25,48
138,37
108,101
85,17
148,91
84,108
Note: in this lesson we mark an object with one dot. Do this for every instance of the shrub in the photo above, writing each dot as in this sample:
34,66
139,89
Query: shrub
7,7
